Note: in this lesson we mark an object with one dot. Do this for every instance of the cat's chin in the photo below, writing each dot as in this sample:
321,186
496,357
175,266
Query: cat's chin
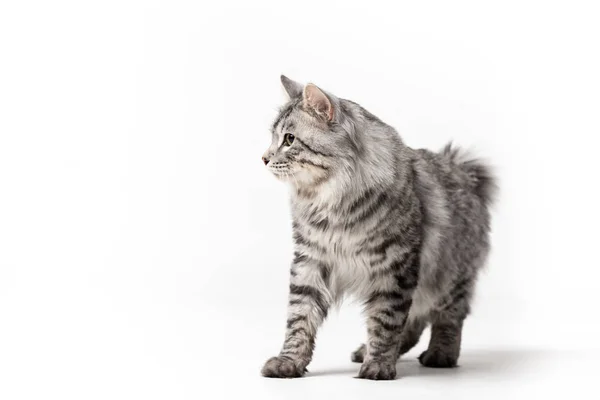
284,177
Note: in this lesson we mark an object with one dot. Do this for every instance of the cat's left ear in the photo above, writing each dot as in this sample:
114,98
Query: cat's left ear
292,88
316,99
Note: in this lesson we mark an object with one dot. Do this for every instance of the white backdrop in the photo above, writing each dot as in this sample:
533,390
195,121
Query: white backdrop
144,248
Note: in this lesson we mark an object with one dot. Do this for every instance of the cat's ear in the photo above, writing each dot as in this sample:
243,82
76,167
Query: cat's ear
293,88
316,99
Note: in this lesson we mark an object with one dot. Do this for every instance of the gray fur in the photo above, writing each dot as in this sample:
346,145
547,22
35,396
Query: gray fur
405,231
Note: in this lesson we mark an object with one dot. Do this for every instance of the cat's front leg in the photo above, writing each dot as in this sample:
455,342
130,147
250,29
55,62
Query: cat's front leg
309,301
387,310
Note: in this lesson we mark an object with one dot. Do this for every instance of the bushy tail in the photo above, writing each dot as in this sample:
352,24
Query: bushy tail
482,177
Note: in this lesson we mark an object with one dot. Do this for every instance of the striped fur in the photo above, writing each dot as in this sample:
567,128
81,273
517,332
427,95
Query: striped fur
405,231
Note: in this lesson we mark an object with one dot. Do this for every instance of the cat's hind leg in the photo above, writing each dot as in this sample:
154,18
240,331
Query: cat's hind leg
446,327
444,346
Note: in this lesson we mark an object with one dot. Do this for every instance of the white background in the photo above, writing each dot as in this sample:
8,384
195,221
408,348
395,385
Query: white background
144,248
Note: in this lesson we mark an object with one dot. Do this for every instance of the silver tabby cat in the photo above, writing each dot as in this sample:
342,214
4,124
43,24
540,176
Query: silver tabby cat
403,230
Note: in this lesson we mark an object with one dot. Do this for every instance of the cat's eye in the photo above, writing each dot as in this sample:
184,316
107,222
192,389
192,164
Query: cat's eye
288,139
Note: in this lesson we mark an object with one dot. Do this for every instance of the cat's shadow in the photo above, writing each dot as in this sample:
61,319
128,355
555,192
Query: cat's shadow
493,363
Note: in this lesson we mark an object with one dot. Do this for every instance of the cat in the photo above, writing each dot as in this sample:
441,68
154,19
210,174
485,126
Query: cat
404,231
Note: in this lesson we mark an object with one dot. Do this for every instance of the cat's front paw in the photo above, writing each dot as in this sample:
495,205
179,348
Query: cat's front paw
377,370
282,367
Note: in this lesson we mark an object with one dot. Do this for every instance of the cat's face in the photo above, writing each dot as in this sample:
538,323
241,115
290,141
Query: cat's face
300,151
306,148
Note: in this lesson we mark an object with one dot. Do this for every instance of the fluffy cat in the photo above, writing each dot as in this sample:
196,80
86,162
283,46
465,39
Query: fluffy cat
405,231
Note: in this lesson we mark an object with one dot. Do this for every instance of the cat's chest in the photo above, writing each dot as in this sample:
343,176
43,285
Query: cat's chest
341,248
342,251
349,274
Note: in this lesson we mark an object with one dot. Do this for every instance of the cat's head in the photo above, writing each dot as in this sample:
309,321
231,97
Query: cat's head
313,137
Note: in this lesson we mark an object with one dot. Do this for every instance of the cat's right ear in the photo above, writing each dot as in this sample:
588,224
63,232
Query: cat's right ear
293,88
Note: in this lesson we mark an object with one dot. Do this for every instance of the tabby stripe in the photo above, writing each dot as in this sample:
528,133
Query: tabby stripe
307,161
376,259
296,331
386,244
289,350
386,325
293,151
283,115
368,194
460,295
325,272
458,292
298,258
374,203
388,313
461,286
321,224
386,222
372,209
298,318
377,296
311,149
402,307
289,126
314,293
301,240
405,282
376,332
395,266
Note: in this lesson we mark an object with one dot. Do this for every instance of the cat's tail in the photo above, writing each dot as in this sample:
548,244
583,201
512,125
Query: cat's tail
484,182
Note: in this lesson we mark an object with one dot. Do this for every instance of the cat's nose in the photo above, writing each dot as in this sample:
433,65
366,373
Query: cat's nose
265,160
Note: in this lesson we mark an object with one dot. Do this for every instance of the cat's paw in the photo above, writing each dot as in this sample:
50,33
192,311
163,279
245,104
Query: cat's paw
377,370
358,355
281,367
437,359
